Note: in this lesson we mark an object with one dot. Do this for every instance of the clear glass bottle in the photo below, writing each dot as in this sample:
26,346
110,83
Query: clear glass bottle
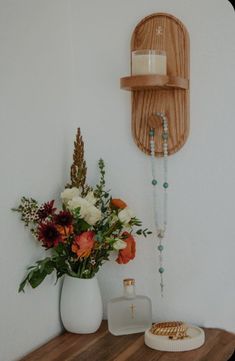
131,313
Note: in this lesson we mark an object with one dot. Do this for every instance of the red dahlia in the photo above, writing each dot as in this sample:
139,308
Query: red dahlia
64,218
49,234
46,210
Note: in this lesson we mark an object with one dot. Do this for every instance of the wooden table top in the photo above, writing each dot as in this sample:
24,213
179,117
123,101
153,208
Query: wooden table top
102,346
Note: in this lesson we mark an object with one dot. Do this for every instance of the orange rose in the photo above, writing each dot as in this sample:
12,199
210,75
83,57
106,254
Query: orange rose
118,203
128,253
83,244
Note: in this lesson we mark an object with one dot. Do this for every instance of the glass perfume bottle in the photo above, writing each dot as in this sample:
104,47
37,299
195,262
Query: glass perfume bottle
131,313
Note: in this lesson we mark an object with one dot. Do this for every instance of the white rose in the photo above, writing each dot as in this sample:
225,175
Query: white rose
93,215
81,203
69,193
91,198
125,215
119,244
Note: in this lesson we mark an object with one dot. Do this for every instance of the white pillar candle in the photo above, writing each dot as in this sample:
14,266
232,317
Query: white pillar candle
148,62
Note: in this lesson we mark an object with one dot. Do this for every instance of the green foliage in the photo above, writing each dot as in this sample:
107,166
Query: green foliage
38,273
103,197
143,232
80,225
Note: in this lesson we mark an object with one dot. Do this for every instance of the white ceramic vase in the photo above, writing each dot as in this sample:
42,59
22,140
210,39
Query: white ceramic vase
81,306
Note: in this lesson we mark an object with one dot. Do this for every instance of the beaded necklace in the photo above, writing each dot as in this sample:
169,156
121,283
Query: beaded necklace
160,229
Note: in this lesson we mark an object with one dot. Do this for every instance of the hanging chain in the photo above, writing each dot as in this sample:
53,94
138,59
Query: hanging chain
160,230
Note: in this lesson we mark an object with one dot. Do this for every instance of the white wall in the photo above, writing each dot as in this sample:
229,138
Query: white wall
35,96
60,66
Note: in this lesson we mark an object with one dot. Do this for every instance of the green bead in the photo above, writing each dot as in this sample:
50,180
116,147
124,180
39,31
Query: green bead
151,132
154,182
160,247
161,270
165,185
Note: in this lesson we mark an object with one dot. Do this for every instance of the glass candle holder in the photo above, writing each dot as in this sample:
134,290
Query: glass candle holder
149,62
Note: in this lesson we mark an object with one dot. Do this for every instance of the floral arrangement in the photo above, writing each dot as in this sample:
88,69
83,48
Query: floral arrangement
80,235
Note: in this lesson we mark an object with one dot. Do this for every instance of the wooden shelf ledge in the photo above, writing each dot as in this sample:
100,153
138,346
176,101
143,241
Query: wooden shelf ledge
141,82
102,346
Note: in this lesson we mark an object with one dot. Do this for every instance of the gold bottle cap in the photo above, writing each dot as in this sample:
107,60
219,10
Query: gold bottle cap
129,282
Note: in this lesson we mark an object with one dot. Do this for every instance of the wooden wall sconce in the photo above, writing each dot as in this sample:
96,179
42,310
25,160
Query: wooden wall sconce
154,93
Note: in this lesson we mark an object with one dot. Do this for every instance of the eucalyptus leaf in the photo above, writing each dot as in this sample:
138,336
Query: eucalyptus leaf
22,285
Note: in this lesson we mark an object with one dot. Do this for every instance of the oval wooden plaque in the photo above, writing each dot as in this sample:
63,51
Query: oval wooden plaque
161,31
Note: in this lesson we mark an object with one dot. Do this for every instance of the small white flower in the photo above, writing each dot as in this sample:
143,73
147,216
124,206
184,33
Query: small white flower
125,215
91,198
79,202
119,244
93,215
92,261
69,193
